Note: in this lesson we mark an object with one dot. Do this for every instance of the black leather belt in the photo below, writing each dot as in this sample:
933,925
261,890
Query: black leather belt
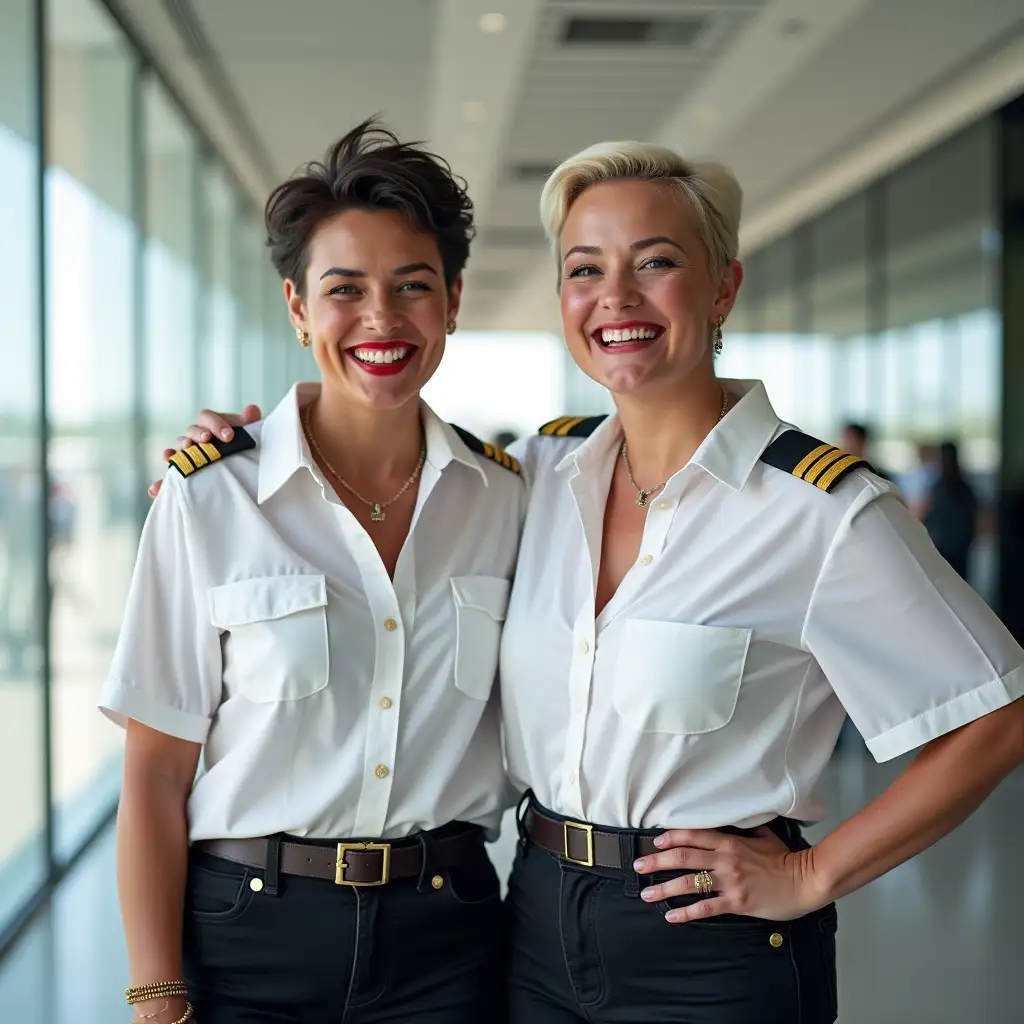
589,846
358,864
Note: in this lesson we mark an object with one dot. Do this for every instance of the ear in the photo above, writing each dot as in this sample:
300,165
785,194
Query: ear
728,289
455,298
296,306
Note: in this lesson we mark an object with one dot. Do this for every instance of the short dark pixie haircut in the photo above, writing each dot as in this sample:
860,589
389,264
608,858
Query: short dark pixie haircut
369,169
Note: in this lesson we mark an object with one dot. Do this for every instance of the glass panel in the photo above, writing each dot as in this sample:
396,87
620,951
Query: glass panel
250,257
218,372
942,367
171,279
91,247
22,784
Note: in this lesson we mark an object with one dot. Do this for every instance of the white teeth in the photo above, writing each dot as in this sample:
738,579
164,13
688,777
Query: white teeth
390,355
608,337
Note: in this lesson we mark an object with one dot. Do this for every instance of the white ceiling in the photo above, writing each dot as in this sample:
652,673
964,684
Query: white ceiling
781,90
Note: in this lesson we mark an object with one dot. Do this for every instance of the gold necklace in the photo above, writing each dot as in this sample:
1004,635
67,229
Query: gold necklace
643,495
377,513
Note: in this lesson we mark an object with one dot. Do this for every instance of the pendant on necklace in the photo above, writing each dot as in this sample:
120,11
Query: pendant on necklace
642,499
378,515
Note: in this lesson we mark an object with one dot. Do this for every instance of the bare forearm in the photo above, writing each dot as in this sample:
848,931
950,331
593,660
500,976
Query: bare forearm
947,781
152,855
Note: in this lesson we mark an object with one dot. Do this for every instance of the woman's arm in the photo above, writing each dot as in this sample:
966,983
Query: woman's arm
152,857
759,877
943,786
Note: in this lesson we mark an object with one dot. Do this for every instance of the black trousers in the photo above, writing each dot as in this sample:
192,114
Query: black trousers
580,949
317,952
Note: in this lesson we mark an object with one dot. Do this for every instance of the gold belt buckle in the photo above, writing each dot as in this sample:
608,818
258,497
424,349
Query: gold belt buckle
343,848
588,831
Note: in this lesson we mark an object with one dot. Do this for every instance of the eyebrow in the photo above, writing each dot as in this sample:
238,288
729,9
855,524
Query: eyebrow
644,243
409,268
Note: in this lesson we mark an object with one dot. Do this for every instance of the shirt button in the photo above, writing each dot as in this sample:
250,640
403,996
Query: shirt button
381,771
647,559
663,506
572,778
390,625
385,703
584,647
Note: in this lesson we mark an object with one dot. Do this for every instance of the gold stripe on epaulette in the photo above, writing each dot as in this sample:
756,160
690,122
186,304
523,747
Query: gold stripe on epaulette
826,481
808,460
822,464
195,453
574,421
211,452
180,459
550,428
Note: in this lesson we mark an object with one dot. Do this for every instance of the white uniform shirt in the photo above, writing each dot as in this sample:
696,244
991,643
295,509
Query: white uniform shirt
711,688
332,702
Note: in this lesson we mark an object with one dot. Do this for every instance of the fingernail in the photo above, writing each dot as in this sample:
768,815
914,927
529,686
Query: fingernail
638,865
204,436
647,894
659,840
671,917
226,434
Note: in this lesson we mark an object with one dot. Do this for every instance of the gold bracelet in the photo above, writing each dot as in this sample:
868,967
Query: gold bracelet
157,990
189,1014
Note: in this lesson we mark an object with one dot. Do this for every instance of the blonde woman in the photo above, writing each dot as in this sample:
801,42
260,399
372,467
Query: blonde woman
702,593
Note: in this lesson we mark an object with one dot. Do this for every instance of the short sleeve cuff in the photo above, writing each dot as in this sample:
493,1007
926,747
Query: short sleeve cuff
120,702
959,711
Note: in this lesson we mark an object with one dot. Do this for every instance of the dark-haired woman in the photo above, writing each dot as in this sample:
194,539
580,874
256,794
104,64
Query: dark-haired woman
318,615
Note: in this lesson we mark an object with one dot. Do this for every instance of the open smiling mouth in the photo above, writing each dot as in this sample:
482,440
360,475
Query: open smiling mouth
627,336
382,359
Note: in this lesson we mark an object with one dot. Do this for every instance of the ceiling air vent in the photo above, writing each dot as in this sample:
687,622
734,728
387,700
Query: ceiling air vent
632,31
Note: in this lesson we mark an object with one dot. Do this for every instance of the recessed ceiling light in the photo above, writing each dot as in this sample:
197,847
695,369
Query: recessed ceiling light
493,23
473,111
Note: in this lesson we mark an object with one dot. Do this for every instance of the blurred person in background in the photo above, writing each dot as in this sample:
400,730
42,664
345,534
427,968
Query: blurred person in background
950,510
702,593
916,485
319,615
505,438
856,439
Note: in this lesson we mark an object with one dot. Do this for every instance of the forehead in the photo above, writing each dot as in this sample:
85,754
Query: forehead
369,235
624,211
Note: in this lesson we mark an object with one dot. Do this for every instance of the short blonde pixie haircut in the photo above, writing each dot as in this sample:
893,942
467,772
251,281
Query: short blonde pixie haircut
710,191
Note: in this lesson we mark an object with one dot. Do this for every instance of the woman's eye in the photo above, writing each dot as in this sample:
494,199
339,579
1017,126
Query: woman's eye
343,289
659,263
584,270
414,286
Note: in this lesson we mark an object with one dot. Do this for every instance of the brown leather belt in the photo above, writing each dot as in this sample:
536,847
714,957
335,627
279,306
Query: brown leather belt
588,846
357,864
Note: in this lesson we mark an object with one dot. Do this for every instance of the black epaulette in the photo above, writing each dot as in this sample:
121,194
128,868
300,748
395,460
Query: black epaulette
195,456
493,452
572,426
813,461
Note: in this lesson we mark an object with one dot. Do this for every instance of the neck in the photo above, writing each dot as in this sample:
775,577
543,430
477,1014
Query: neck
372,446
663,432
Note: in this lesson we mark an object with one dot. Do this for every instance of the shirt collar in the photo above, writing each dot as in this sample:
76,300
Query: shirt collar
284,451
729,453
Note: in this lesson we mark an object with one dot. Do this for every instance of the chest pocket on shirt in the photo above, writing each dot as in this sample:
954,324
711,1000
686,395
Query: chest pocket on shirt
276,648
674,677
480,603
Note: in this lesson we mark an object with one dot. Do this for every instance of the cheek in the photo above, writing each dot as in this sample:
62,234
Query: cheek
575,310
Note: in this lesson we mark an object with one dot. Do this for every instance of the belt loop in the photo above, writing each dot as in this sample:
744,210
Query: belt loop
522,810
627,854
425,841
272,869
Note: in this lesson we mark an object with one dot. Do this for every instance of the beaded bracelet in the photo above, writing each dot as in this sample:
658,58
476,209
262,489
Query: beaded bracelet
157,990
188,1015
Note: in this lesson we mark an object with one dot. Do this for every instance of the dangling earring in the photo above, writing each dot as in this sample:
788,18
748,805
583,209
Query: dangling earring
450,326
302,336
718,336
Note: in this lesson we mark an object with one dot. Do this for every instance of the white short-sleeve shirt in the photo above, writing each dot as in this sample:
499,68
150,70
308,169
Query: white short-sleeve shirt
332,701
712,687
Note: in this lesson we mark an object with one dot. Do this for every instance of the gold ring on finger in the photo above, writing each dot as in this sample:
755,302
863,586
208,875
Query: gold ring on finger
703,882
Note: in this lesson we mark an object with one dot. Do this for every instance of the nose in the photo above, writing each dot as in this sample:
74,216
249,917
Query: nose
380,315
619,292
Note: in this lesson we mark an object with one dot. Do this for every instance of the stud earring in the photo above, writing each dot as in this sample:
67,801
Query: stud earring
302,337
450,326
718,335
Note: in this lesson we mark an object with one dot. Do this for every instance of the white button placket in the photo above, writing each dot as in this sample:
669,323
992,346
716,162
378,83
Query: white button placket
581,673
